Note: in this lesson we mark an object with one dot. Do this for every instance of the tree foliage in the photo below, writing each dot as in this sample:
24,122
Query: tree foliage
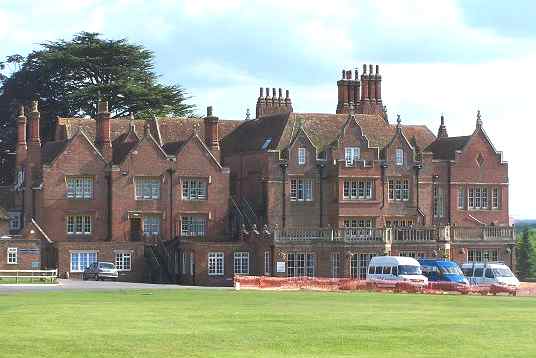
67,77
526,259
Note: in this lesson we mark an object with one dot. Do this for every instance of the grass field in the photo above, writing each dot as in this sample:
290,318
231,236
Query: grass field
217,323
26,280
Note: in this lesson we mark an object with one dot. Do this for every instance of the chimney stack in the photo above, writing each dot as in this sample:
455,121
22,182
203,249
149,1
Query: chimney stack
34,125
442,131
275,104
22,147
378,84
103,135
212,139
348,91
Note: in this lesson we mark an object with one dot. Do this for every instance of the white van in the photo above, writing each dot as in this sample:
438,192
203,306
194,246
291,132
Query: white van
395,268
487,273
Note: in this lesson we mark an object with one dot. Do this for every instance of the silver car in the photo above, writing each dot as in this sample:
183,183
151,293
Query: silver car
100,271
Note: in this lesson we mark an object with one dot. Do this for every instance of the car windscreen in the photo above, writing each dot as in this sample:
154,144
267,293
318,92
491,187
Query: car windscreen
409,270
502,272
452,270
107,265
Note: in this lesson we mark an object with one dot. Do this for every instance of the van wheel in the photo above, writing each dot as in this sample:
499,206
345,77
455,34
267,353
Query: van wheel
97,277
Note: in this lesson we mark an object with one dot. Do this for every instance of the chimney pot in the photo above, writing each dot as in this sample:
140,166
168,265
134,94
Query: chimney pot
287,93
370,69
343,74
261,92
280,93
267,92
273,92
356,74
34,106
21,111
377,69
364,69
209,111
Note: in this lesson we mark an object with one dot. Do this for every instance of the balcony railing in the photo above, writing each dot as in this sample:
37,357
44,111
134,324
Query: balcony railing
328,234
418,234
491,233
399,234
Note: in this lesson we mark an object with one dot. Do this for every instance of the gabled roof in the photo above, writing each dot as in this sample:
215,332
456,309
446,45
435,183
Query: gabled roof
51,150
123,144
445,148
322,129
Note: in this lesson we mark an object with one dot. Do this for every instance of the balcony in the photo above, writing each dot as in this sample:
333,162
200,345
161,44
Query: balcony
483,233
357,235
408,235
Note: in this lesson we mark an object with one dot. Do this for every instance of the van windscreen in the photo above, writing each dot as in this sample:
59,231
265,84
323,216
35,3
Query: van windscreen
409,270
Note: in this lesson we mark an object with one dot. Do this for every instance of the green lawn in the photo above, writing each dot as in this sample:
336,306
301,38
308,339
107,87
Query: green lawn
26,280
215,323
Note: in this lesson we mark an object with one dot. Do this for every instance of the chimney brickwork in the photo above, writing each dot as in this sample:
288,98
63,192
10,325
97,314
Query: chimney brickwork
274,104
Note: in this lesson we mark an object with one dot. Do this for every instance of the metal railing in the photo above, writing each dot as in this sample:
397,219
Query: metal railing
24,276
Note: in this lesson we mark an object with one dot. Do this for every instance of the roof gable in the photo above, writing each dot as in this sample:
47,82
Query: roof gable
195,140
51,151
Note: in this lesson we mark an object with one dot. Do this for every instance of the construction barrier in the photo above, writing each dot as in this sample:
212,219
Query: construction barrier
348,284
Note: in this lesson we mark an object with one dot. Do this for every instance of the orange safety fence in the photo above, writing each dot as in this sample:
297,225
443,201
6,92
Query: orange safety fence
348,284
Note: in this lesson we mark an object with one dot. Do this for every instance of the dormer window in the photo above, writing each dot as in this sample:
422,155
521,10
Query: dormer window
351,155
399,157
301,156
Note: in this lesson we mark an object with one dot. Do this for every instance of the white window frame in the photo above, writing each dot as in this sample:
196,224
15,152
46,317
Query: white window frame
482,255
123,260
146,188
478,197
79,187
399,156
89,259
12,255
194,189
398,189
151,225
335,264
351,155
461,197
78,224
15,220
357,190
302,155
216,264
301,264
301,189
267,263
241,263
194,225
495,198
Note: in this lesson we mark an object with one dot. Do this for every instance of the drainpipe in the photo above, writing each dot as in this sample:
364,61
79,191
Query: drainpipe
108,177
320,167
383,166
171,171
449,180
284,166
418,168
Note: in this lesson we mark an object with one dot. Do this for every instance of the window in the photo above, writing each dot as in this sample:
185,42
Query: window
495,198
357,190
12,255
194,189
123,261
79,187
439,207
335,261
266,143
399,223
241,263
301,189
358,227
359,264
461,197
300,264
482,255
147,188
151,225
267,263
399,157
78,225
184,263
478,198
14,220
215,263
82,259
301,156
351,155
398,189
193,226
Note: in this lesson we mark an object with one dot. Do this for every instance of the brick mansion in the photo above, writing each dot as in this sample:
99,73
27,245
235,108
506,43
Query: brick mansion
199,200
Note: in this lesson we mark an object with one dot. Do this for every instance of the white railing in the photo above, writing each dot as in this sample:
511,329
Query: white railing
415,234
483,233
20,276
327,234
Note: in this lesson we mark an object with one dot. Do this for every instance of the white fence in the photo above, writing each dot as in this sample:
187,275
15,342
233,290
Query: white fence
24,276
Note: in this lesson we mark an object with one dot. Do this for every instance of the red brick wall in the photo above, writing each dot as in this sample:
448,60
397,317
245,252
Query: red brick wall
28,251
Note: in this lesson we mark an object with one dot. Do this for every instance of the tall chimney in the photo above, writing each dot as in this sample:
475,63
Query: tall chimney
22,147
34,125
212,139
442,131
372,85
259,110
378,84
342,90
102,135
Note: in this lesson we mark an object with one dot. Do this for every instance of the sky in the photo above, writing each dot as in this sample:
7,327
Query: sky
450,57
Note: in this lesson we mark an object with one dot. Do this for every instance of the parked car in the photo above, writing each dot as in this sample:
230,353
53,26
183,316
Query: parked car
486,273
100,270
395,268
442,270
